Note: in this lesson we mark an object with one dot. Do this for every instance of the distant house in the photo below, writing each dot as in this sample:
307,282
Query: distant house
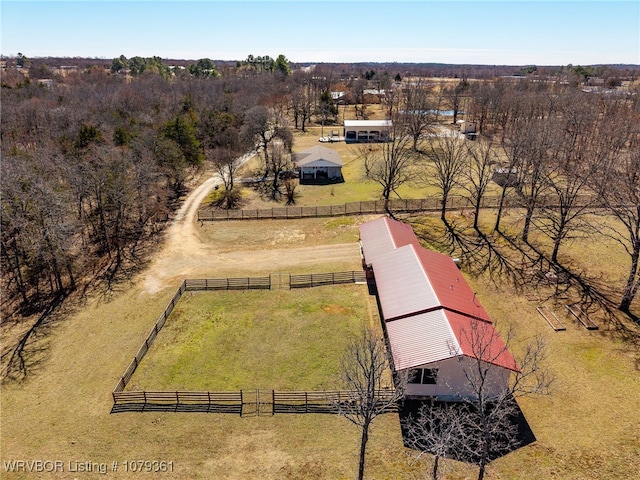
367,130
318,165
373,95
434,324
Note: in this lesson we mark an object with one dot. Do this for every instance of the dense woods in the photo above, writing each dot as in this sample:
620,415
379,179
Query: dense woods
96,158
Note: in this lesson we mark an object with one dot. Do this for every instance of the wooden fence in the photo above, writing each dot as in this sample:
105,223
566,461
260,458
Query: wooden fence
372,207
249,283
246,402
216,401
332,401
319,279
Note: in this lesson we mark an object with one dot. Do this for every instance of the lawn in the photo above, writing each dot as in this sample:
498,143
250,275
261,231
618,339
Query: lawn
232,340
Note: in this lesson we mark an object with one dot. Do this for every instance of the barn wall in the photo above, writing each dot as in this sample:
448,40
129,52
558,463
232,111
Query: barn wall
453,384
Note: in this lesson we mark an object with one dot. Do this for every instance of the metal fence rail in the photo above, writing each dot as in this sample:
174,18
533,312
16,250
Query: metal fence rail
371,207
246,403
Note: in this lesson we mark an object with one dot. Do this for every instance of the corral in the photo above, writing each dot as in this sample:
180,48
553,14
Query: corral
245,335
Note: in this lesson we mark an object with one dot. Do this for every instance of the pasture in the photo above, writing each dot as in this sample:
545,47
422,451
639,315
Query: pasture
233,340
587,428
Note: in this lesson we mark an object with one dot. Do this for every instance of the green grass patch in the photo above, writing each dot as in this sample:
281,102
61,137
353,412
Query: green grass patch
282,340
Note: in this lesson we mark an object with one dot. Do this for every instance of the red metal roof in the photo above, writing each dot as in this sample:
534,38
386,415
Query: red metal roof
446,279
384,235
479,339
430,311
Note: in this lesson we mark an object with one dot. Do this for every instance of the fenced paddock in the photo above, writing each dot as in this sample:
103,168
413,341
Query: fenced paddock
243,402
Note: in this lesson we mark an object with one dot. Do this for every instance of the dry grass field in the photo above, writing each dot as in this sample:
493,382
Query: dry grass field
588,428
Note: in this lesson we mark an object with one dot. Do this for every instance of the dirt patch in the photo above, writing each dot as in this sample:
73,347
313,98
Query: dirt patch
334,309
190,248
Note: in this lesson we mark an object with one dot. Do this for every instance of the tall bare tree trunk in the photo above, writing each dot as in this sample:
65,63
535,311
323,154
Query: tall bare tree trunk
363,449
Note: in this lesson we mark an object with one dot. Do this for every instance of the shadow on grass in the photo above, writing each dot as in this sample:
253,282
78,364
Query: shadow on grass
22,357
529,270
521,433
25,356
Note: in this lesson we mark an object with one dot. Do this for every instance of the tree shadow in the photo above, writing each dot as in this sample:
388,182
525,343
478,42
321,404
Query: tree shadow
24,357
522,433
476,252
529,270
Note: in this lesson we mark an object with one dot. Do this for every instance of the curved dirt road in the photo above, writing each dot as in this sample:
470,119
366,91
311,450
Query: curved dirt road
184,255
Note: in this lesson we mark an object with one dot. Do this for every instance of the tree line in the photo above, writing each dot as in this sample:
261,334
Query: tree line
549,145
96,161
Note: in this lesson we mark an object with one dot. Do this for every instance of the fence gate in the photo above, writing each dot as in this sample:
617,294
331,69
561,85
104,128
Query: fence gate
249,403
265,403
256,403
280,281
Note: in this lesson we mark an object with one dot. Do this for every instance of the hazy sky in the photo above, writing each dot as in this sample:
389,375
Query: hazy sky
514,32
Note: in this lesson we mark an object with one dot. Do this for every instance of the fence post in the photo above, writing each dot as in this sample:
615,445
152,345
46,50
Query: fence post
306,402
273,402
241,402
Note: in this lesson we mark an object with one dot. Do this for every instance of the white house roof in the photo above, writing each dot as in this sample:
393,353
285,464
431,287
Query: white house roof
403,286
368,123
318,156
439,335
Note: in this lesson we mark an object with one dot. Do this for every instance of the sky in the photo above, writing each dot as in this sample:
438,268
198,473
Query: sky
495,32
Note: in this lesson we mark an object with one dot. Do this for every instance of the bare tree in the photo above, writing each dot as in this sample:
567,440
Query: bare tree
302,102
389,164
492,399
540,142
439,430
418,111
280,155
454,97
586,142
226,163
619,188
478,172
366,375
261,127
447,153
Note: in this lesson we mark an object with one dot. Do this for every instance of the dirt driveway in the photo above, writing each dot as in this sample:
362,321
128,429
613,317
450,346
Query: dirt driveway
185,255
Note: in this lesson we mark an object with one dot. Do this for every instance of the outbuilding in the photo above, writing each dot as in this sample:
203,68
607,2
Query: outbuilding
435,326
367,130
319,165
